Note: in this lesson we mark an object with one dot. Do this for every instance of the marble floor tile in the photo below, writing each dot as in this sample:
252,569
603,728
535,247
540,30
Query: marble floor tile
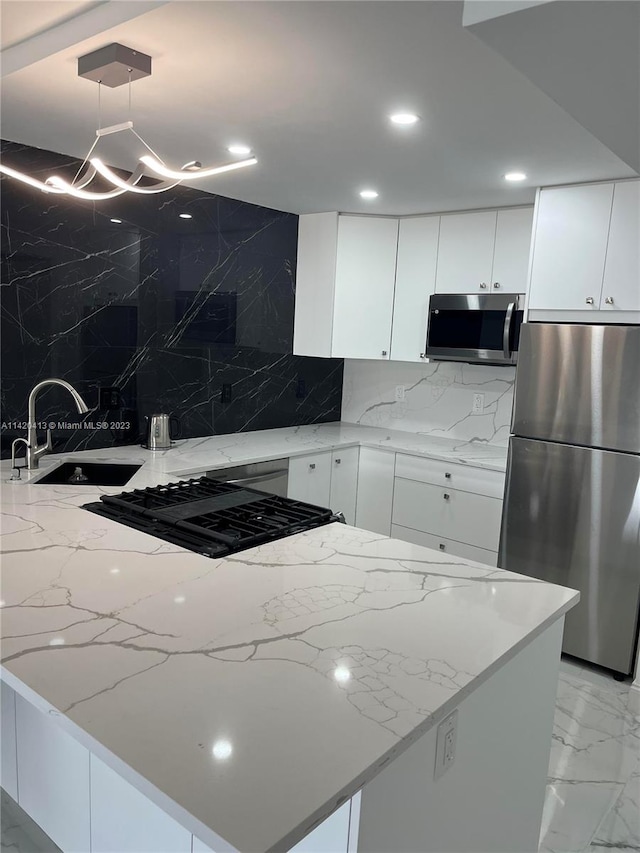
594,768
18,833
620,830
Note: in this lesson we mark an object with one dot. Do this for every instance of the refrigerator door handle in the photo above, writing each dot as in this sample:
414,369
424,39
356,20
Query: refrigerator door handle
506,332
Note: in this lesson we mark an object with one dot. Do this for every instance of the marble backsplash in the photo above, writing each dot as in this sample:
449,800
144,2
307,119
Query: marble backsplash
188,316
438,398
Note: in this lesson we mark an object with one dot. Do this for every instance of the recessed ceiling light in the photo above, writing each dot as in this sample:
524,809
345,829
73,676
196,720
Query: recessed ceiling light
368,194
117,221
222,749
404,118
239,149
186,216
515,176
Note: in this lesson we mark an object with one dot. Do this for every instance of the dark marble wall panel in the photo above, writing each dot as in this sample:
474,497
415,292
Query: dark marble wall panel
167,310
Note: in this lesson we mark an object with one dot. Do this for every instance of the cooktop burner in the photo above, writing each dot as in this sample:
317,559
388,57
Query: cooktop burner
210,517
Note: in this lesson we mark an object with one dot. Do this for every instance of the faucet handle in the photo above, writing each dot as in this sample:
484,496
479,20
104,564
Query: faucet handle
49,444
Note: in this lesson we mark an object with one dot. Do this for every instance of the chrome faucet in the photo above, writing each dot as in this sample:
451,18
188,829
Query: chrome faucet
35,451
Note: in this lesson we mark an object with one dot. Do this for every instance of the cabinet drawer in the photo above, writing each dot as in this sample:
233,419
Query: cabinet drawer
465,517
480,481
447,546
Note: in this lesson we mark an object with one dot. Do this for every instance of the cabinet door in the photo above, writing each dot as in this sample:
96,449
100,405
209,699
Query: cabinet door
569,249
465,252
511,254
53,774
375,490
344,482
621,289
474,519
415,282
315,284
445,546
8,757
124,820
310,478
365,280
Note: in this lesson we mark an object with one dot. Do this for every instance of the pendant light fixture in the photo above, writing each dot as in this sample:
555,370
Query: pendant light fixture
112,66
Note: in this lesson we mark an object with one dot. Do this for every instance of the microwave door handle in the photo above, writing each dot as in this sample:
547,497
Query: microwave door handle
506,331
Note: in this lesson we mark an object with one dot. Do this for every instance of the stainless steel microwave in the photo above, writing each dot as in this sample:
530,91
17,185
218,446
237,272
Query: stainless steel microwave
475,328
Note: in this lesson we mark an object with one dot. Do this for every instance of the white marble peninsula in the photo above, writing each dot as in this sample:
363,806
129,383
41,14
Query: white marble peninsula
287,697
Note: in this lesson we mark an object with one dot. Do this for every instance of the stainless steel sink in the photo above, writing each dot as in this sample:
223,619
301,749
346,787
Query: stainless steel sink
83,473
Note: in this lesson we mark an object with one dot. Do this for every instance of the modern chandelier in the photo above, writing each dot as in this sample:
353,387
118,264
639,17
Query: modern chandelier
114,66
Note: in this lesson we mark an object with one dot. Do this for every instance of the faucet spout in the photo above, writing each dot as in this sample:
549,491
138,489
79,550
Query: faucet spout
35,451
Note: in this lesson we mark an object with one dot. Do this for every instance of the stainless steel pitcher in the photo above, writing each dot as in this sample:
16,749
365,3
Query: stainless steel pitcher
160,432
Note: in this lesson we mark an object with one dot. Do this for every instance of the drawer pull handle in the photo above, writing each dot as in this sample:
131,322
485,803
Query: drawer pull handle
338,461
312,466
447,475
384,352
442,546
446,496
589,300
609,300
483,285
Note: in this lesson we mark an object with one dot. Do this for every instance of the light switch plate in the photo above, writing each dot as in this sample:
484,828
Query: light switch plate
446,744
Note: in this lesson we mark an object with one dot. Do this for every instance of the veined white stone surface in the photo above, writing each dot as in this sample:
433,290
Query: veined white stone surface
438,398
195,455
258,691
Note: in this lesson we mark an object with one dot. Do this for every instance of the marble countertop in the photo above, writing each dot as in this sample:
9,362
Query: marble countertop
248,696
194,455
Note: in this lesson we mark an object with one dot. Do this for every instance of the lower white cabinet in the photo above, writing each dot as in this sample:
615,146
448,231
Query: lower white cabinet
8,756
310,478
124,820
53,773
447,546
344,482
375,490
327,479
463,516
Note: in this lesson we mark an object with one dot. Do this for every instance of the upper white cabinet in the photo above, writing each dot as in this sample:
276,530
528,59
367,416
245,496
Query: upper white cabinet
484,251
415,282
621,287
345,285
512,248
586,250
465,252
365,281
570,246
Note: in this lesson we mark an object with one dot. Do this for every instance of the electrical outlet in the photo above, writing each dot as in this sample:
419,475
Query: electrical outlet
301,389
227,394
109,398
446,744
478,404
399,393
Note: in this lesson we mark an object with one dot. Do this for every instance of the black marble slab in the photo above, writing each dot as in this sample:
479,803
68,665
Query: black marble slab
188,316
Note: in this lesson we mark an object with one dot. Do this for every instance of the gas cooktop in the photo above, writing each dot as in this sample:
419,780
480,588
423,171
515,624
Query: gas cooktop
210,517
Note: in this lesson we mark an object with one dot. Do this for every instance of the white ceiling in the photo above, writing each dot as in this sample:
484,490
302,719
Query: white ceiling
20,21
309,86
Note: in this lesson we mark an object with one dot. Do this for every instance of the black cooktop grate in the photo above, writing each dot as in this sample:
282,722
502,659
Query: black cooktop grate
210,517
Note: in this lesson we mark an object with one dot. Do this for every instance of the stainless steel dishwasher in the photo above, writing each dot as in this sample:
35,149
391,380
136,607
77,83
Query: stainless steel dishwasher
271,477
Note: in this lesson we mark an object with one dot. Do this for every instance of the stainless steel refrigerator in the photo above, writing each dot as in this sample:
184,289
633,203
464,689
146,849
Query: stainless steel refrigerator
571,513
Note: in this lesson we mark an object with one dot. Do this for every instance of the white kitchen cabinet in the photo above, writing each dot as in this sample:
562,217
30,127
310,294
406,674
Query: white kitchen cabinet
53,774
328,478
344,482
451,475
463,516
8,755
444,545
415,282
124,820
375,490
569,248
621,287
365,281
310,478
512,248
344,285
465,252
